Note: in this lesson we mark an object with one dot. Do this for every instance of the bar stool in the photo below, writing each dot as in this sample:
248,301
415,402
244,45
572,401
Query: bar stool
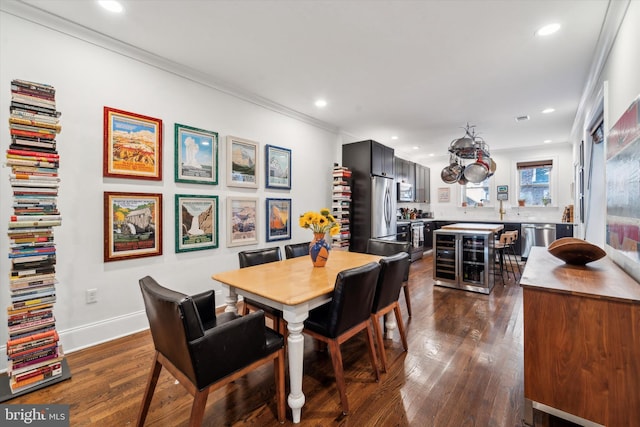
503,247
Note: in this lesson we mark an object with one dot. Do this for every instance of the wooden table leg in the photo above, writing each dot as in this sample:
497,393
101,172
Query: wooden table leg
295,317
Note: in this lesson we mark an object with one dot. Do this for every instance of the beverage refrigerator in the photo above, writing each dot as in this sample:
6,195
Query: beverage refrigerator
464,260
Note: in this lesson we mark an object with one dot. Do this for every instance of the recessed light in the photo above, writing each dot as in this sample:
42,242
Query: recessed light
547,30
111,5
548,110
415,147
431,154
394,137
321,103
547,141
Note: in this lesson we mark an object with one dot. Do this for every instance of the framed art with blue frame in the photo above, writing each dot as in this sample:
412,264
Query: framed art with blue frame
196,222
196,159
278,167
278,214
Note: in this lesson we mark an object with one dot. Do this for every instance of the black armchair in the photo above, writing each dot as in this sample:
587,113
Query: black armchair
386,299
348,313
296,249
203,351
257,257
390,247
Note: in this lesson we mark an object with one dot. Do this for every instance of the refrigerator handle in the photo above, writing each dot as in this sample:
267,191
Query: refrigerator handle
387,207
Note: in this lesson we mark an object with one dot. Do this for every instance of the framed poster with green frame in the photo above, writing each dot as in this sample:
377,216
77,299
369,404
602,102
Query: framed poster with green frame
196,222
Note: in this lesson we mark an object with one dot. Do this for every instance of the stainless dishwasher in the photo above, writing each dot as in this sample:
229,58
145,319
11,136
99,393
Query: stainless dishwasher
536,235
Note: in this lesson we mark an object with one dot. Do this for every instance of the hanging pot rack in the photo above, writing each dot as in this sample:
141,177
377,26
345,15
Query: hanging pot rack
473,148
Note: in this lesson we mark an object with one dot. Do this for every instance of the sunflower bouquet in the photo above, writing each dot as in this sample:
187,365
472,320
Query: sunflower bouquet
320,222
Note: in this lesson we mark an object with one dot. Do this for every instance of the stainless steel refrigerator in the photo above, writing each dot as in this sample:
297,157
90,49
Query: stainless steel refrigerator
383,207
373,212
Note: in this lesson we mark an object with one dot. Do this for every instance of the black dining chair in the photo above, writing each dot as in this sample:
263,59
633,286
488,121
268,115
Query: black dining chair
348,313
295,250
386,299
390,247
257,257
205,352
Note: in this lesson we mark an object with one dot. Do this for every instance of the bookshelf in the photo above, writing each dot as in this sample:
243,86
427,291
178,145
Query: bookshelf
341,205
35,356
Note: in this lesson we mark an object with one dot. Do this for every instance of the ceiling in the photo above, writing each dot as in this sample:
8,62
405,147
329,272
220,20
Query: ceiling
418,70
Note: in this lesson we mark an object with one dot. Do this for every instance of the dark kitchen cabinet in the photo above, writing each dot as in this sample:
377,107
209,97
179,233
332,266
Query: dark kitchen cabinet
382,159
423,183
404,171
564,230
370,156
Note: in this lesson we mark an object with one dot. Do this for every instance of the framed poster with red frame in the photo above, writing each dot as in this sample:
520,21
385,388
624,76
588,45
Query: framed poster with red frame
132,225
132,145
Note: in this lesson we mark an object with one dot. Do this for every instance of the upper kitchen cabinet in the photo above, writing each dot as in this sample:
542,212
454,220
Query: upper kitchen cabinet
369,155
405,171
423,184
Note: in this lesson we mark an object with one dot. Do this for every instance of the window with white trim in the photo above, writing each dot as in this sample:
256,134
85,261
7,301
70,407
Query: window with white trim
476,194
534,182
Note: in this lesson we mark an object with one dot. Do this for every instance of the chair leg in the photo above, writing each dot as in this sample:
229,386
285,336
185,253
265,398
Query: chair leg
407,297
197,409
336,360
377,330
245,308
372,350
278,368
403,334
148,393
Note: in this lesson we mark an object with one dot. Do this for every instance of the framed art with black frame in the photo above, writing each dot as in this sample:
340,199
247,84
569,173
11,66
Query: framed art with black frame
278,167
278,214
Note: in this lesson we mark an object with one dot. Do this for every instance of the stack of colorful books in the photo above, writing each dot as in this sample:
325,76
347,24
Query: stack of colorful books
35,356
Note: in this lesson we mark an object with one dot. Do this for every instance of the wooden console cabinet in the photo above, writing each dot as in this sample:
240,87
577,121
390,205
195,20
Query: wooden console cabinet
581,339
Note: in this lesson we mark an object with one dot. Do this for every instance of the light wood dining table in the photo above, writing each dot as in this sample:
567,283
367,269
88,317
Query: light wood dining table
294,286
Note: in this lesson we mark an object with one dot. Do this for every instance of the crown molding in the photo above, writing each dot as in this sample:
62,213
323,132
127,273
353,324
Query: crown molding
64,26
614,17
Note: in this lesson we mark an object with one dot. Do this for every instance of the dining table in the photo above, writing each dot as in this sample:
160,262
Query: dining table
295,287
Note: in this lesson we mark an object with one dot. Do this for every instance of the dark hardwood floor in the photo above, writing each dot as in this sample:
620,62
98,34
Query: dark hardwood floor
464,367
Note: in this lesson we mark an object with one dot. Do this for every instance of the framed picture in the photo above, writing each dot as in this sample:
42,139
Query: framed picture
196,155
242,214
278,167
132,225
132,146
443,194
622,230
196,222
278,214
242,162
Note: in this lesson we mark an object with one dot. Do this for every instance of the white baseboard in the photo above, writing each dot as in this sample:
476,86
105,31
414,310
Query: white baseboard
91,334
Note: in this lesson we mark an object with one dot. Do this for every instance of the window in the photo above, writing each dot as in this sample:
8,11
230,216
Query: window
476,194
534,182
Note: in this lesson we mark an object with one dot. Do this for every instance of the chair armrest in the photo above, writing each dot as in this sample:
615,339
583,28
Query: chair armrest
205,303
228,347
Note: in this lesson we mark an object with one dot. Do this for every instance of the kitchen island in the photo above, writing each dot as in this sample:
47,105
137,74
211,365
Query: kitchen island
464,256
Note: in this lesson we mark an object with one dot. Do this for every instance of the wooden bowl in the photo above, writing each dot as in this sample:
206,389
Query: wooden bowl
575,251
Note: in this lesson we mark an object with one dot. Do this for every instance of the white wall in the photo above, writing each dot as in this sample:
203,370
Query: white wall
88,77
618,85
